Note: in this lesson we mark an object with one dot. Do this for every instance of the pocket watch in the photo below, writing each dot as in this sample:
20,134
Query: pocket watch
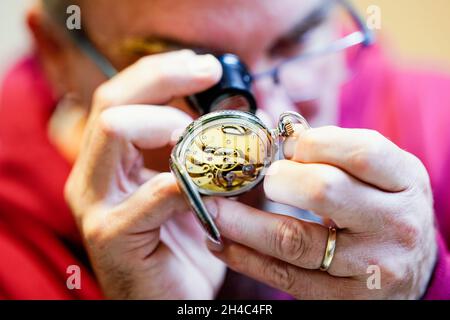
226,153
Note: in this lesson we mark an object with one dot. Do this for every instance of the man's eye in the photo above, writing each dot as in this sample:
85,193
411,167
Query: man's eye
298,41
286,48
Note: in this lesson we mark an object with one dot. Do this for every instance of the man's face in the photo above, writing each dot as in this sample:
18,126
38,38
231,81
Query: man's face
247,28
259,31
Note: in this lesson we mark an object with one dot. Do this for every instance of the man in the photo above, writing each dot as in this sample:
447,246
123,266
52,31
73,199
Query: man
137,230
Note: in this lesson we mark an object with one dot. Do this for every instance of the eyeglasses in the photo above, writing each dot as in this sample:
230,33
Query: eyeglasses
304,76
298,71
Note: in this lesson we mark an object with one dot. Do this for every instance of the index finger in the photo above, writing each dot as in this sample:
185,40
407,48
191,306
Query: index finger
117,137
289,239
365,154
159,78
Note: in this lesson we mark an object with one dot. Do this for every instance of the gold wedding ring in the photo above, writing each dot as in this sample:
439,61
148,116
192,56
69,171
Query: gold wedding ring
329,251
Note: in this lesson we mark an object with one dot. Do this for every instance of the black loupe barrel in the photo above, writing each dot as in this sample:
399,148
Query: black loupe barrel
233,92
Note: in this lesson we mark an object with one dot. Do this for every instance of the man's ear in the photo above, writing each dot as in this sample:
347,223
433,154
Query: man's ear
51,47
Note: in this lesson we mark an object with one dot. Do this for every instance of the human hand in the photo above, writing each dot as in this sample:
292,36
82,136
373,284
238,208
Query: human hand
377,195
141,239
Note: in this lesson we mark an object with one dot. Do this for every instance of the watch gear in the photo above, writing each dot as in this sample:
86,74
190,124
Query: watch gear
226,153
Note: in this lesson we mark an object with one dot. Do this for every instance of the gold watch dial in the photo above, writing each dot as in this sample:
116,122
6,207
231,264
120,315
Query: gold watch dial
227,157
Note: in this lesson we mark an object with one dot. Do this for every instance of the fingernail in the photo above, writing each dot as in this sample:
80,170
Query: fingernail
176,134
289,147
290,144
206,65
211,206
213,246
273,169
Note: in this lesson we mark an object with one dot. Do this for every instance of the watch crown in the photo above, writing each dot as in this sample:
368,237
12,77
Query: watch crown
286,124
288,128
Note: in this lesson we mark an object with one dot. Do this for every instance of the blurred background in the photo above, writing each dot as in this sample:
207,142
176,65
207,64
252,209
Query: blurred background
14,40
416,29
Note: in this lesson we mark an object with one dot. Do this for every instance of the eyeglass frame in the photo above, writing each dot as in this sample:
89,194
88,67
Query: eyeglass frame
364,36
